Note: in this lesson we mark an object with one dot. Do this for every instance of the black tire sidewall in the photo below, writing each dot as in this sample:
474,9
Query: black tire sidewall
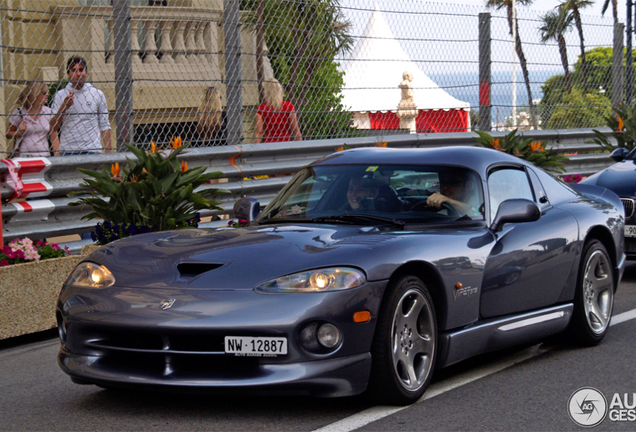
384,385
579,327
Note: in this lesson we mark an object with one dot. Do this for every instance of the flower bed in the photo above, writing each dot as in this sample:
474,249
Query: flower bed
31,277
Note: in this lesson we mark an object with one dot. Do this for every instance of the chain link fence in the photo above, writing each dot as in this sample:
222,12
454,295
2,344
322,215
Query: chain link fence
195,69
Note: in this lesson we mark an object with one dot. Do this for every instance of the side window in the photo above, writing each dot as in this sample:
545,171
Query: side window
507,183
539,191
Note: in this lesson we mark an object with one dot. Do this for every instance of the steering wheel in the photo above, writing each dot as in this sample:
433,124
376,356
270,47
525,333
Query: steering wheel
423,206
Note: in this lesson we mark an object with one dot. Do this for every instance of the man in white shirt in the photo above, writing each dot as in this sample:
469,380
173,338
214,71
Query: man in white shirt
82,112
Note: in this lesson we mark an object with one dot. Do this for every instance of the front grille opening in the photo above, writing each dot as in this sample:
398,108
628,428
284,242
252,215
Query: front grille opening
628,204
191,270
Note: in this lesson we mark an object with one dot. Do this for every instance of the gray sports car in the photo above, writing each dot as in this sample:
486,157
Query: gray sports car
621,179
370,268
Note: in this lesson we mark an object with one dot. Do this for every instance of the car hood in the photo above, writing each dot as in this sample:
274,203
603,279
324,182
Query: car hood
239,258
619,178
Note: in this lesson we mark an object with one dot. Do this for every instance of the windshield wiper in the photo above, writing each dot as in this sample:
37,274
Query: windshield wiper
275,220
357,218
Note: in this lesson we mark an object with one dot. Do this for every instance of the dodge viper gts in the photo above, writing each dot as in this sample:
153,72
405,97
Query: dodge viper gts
368,271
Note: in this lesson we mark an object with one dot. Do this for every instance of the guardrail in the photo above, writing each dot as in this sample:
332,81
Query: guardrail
38,208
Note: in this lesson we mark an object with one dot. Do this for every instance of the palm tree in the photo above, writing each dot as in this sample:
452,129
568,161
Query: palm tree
507,4
574,7
554,26
614,9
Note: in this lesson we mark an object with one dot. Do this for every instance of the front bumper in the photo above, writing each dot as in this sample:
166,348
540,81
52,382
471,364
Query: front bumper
342,376
120,337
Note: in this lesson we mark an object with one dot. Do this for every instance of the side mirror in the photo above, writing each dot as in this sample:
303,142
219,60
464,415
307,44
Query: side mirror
246,208
619,154
515,210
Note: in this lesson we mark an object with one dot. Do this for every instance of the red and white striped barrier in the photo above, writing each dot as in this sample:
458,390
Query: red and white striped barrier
26,177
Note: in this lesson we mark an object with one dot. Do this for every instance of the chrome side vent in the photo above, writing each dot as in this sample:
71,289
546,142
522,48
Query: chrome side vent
628,203
191,270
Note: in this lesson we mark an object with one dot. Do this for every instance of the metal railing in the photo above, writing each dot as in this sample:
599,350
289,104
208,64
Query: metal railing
45,212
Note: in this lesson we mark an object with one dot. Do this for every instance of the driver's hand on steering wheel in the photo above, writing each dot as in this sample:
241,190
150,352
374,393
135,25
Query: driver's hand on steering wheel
437,199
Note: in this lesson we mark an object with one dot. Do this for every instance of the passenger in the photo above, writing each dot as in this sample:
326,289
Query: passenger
361,193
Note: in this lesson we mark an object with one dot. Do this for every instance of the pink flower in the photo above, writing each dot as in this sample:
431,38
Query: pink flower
31,255
4,263
55,246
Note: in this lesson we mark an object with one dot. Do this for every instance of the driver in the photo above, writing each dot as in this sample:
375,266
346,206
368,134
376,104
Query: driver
456,190
360,192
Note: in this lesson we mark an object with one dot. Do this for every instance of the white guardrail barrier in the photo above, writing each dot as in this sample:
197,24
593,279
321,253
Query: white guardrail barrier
35,191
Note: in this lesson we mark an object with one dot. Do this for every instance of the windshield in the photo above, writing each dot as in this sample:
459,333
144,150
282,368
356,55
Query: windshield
409,193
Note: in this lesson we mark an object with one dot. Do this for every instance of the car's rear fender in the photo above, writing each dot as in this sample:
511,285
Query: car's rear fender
594,191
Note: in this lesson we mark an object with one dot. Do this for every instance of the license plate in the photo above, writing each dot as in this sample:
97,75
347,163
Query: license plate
247,346
630,230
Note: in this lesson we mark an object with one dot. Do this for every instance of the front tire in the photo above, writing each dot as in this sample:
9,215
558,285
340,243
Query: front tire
405,343
594,297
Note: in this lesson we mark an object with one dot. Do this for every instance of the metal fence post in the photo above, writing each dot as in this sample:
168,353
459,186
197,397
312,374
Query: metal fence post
629,75
617,64
485,79
232,37
123,73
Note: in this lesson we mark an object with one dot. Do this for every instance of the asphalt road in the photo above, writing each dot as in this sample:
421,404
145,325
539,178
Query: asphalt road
522,389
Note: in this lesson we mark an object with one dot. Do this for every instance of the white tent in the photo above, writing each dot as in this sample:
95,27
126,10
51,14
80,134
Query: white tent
374,70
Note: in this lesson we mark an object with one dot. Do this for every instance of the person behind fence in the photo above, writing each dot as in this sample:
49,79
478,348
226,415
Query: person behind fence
276,119
81,113
29,124
211,124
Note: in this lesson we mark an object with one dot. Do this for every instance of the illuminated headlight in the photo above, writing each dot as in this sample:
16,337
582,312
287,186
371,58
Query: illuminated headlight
320,280
91,275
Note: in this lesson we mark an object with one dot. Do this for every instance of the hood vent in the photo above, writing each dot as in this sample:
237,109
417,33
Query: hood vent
191,270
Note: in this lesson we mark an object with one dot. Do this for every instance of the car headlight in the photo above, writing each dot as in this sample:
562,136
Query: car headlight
91,275
319,280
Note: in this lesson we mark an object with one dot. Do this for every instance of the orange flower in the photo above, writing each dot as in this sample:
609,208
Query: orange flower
381,144
153,147
536,146
114,169
184,166
495,144
621,123
144,170
134,178
176,142
340,149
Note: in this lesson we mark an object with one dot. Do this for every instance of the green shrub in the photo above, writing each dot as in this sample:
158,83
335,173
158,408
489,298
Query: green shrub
155,191
524,148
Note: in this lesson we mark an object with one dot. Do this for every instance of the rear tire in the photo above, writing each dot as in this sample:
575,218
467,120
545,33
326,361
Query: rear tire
594,297
405,344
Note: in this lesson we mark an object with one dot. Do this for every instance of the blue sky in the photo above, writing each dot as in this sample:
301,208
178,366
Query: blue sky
442,36
544,5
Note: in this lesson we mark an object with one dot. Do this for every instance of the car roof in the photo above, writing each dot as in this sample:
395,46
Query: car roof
474,158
